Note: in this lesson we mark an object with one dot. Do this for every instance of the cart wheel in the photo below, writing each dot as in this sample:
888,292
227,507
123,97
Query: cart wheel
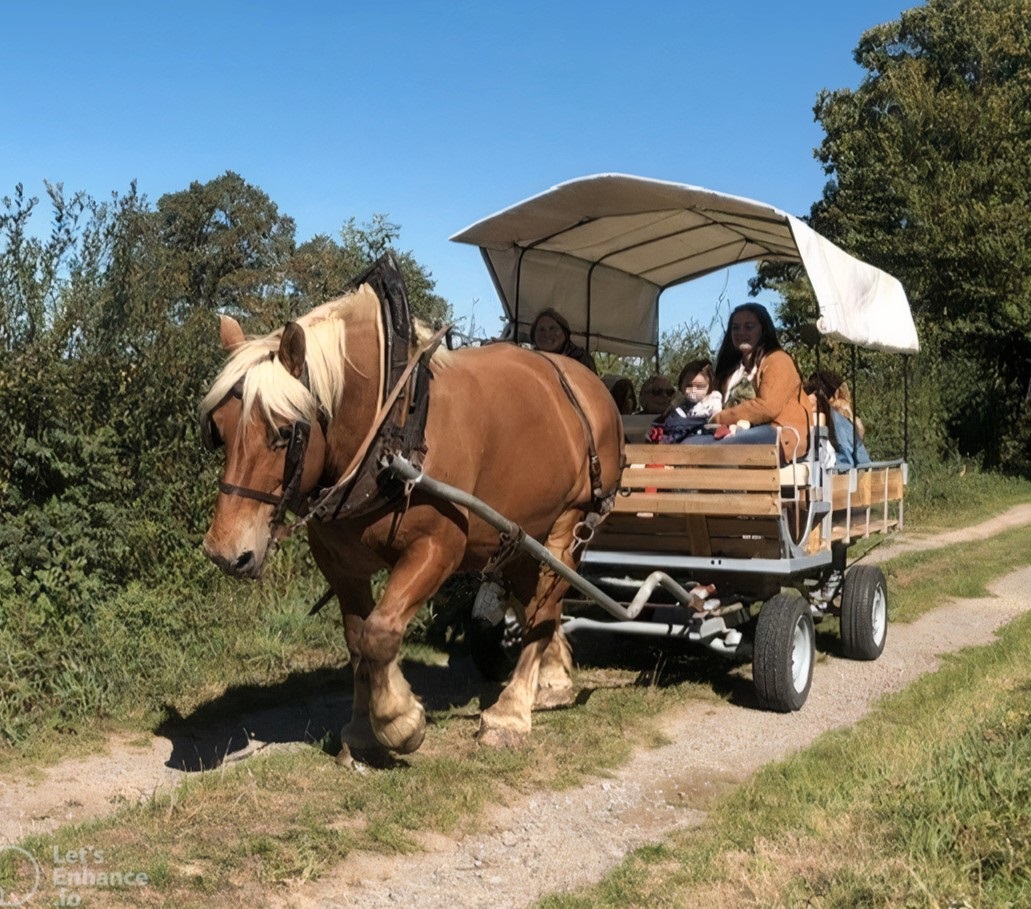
864,612
782,664
494,646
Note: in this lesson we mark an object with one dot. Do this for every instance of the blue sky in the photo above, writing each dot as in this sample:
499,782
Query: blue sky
433,113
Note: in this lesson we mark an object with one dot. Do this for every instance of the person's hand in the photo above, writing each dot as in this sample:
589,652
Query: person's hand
655,434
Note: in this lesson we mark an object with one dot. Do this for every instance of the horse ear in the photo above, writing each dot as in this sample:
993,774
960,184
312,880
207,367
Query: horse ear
292,349
230,333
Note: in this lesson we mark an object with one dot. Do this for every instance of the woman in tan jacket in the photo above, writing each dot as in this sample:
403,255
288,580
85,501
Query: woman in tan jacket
761,386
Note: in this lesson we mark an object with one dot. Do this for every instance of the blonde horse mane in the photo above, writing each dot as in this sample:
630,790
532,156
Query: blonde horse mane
278,395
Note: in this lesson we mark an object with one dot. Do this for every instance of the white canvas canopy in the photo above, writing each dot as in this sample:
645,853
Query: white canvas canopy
601,249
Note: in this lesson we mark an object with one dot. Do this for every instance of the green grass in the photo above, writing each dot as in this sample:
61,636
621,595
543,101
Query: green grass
287,816
951,496
926,802
917,582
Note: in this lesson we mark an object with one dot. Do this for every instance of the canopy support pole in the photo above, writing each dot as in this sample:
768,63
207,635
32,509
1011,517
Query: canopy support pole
855,405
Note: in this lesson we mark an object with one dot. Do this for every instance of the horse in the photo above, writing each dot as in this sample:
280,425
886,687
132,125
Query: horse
535,436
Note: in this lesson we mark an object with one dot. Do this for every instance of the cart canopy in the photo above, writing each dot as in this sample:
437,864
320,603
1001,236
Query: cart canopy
601,249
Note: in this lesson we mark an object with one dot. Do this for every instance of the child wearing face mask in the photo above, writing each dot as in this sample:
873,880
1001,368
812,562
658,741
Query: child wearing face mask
701,402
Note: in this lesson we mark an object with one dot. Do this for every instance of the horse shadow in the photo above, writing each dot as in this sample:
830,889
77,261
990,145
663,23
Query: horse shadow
306,708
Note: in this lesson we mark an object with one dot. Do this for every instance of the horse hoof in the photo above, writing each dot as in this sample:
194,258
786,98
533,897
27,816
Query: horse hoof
493,734
553,698
359,737
350,761
500,739
405,733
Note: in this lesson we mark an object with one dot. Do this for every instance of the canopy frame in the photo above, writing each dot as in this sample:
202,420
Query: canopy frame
602,249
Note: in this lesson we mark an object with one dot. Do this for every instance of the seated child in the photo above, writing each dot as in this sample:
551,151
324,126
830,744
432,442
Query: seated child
701,402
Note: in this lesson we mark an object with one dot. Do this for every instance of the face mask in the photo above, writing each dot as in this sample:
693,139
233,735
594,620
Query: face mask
694,395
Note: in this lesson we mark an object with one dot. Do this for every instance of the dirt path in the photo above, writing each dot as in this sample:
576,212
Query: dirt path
557,841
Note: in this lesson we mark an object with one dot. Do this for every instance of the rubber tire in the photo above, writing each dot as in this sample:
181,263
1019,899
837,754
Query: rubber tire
785,651
864,612
494,648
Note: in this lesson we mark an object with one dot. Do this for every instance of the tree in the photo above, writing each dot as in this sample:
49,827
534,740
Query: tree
929,163
228,245
322,269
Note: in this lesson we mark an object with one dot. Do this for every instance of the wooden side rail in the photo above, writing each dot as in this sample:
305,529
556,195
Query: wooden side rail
699,500
869,501
736,501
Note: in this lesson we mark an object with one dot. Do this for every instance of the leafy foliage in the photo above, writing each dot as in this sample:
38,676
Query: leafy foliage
930,178
107,342
322,269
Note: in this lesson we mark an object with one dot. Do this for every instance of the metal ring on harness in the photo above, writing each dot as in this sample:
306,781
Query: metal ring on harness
583,533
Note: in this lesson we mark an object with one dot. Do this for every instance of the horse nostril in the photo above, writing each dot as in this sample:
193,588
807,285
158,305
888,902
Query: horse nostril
243,563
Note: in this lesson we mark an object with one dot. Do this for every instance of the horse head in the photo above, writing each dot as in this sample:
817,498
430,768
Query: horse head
263,410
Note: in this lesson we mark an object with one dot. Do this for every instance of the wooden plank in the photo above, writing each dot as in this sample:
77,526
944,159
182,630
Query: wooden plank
633,523
896,485
705,455
745,549
763,479
732,547
739,527
690,524
839,491
699,503
698,531
651,542
863,495
858,528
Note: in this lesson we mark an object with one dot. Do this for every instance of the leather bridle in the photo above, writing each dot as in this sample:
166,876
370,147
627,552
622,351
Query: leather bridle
295,437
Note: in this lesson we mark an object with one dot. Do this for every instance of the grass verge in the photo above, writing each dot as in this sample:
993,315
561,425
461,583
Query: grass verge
926,802
947,497
919,581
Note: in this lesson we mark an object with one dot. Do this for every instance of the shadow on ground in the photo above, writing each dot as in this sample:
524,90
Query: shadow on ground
305,708
662,662
310,707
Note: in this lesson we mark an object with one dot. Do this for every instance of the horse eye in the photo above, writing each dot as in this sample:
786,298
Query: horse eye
280,437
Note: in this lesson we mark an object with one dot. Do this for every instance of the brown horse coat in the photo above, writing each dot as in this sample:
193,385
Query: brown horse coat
499,426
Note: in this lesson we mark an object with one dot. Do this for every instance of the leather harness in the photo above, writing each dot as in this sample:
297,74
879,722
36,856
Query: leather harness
399,426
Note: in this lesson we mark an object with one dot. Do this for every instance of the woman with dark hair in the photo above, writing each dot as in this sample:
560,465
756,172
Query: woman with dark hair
761,385
550,332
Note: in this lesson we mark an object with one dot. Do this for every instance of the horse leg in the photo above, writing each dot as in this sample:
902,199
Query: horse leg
397,718
355,598
357,734
332,551
507,722
555,684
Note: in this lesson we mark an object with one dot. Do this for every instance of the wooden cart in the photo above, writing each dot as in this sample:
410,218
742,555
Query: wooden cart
719,545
